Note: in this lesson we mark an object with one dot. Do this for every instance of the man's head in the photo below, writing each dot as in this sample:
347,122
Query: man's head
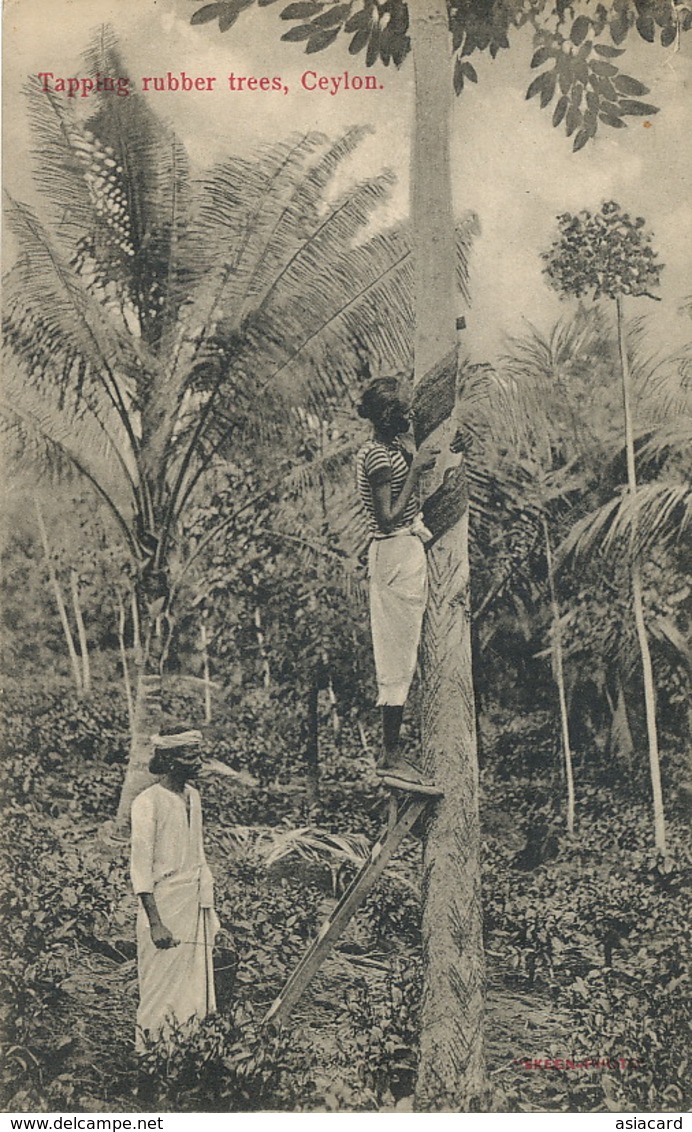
177,752
385,404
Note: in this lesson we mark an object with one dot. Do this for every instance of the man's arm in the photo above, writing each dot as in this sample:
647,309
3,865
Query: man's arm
160,934
142,867
388,514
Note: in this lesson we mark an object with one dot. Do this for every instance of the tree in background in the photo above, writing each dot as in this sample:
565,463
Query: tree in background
609,254
552,450
551,394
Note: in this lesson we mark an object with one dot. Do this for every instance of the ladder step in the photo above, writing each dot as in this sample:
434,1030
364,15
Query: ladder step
380,855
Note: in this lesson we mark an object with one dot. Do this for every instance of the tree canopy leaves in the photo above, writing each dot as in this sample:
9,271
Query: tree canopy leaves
577,43
605,253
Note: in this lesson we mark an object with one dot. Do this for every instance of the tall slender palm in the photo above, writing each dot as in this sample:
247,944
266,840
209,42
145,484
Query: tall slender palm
610,254
152,323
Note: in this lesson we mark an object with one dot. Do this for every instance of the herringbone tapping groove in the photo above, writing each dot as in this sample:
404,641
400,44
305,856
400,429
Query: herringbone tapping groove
453,996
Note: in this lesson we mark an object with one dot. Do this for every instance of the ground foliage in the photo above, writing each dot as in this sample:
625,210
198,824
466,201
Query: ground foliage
583,936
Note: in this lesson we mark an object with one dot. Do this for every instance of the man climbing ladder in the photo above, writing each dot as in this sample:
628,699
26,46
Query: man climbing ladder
388,476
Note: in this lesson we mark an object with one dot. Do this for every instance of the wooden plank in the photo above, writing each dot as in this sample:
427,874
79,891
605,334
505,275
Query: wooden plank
392,811
380,855
447,504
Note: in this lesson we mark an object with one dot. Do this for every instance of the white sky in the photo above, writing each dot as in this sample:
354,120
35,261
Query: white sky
510,165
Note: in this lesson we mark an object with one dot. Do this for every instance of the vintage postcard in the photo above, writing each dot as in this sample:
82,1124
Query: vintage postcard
345,586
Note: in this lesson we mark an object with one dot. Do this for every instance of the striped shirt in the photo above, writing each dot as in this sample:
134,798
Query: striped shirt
374,459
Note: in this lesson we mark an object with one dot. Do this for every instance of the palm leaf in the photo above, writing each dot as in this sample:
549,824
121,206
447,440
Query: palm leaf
142,182
312,844
49,444
659,516
61,333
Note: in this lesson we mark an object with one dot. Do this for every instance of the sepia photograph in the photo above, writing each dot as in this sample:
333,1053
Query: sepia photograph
346,564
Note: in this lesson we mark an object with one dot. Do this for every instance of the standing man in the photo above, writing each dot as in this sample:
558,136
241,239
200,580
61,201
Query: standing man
176,922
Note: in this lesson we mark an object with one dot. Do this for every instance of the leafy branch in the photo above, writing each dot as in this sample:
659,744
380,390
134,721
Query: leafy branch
589,88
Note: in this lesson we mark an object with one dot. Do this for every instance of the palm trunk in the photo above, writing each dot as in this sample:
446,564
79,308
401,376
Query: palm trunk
637,595
558,672
333,709
81,633
147,713
124,663
146,721
136,635
60,602
451,1072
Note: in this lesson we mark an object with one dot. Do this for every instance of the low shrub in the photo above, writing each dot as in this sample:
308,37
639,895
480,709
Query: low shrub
382,1030
229,1063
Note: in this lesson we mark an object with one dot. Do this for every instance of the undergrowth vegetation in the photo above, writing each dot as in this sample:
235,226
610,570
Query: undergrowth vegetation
584,934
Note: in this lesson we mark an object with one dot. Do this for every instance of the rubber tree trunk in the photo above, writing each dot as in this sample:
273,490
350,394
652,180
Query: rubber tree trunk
559,677
312,743
637,594
124,663
205,669
81,633
451,1072
60,602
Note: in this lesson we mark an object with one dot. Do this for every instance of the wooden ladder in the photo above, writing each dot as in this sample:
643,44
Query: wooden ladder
399,824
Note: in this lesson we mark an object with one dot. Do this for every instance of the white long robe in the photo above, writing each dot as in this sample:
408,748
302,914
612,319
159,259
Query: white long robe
176,985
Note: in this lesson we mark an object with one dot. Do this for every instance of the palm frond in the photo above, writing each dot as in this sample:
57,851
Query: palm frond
311,844
345,305
61,334
140,176
664,630
301,216
660,515
295,343
339,229
242,203
59,164
673,436
50,445
663,387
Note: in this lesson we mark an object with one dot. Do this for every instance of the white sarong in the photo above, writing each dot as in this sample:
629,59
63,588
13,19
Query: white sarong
398,594
176,985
